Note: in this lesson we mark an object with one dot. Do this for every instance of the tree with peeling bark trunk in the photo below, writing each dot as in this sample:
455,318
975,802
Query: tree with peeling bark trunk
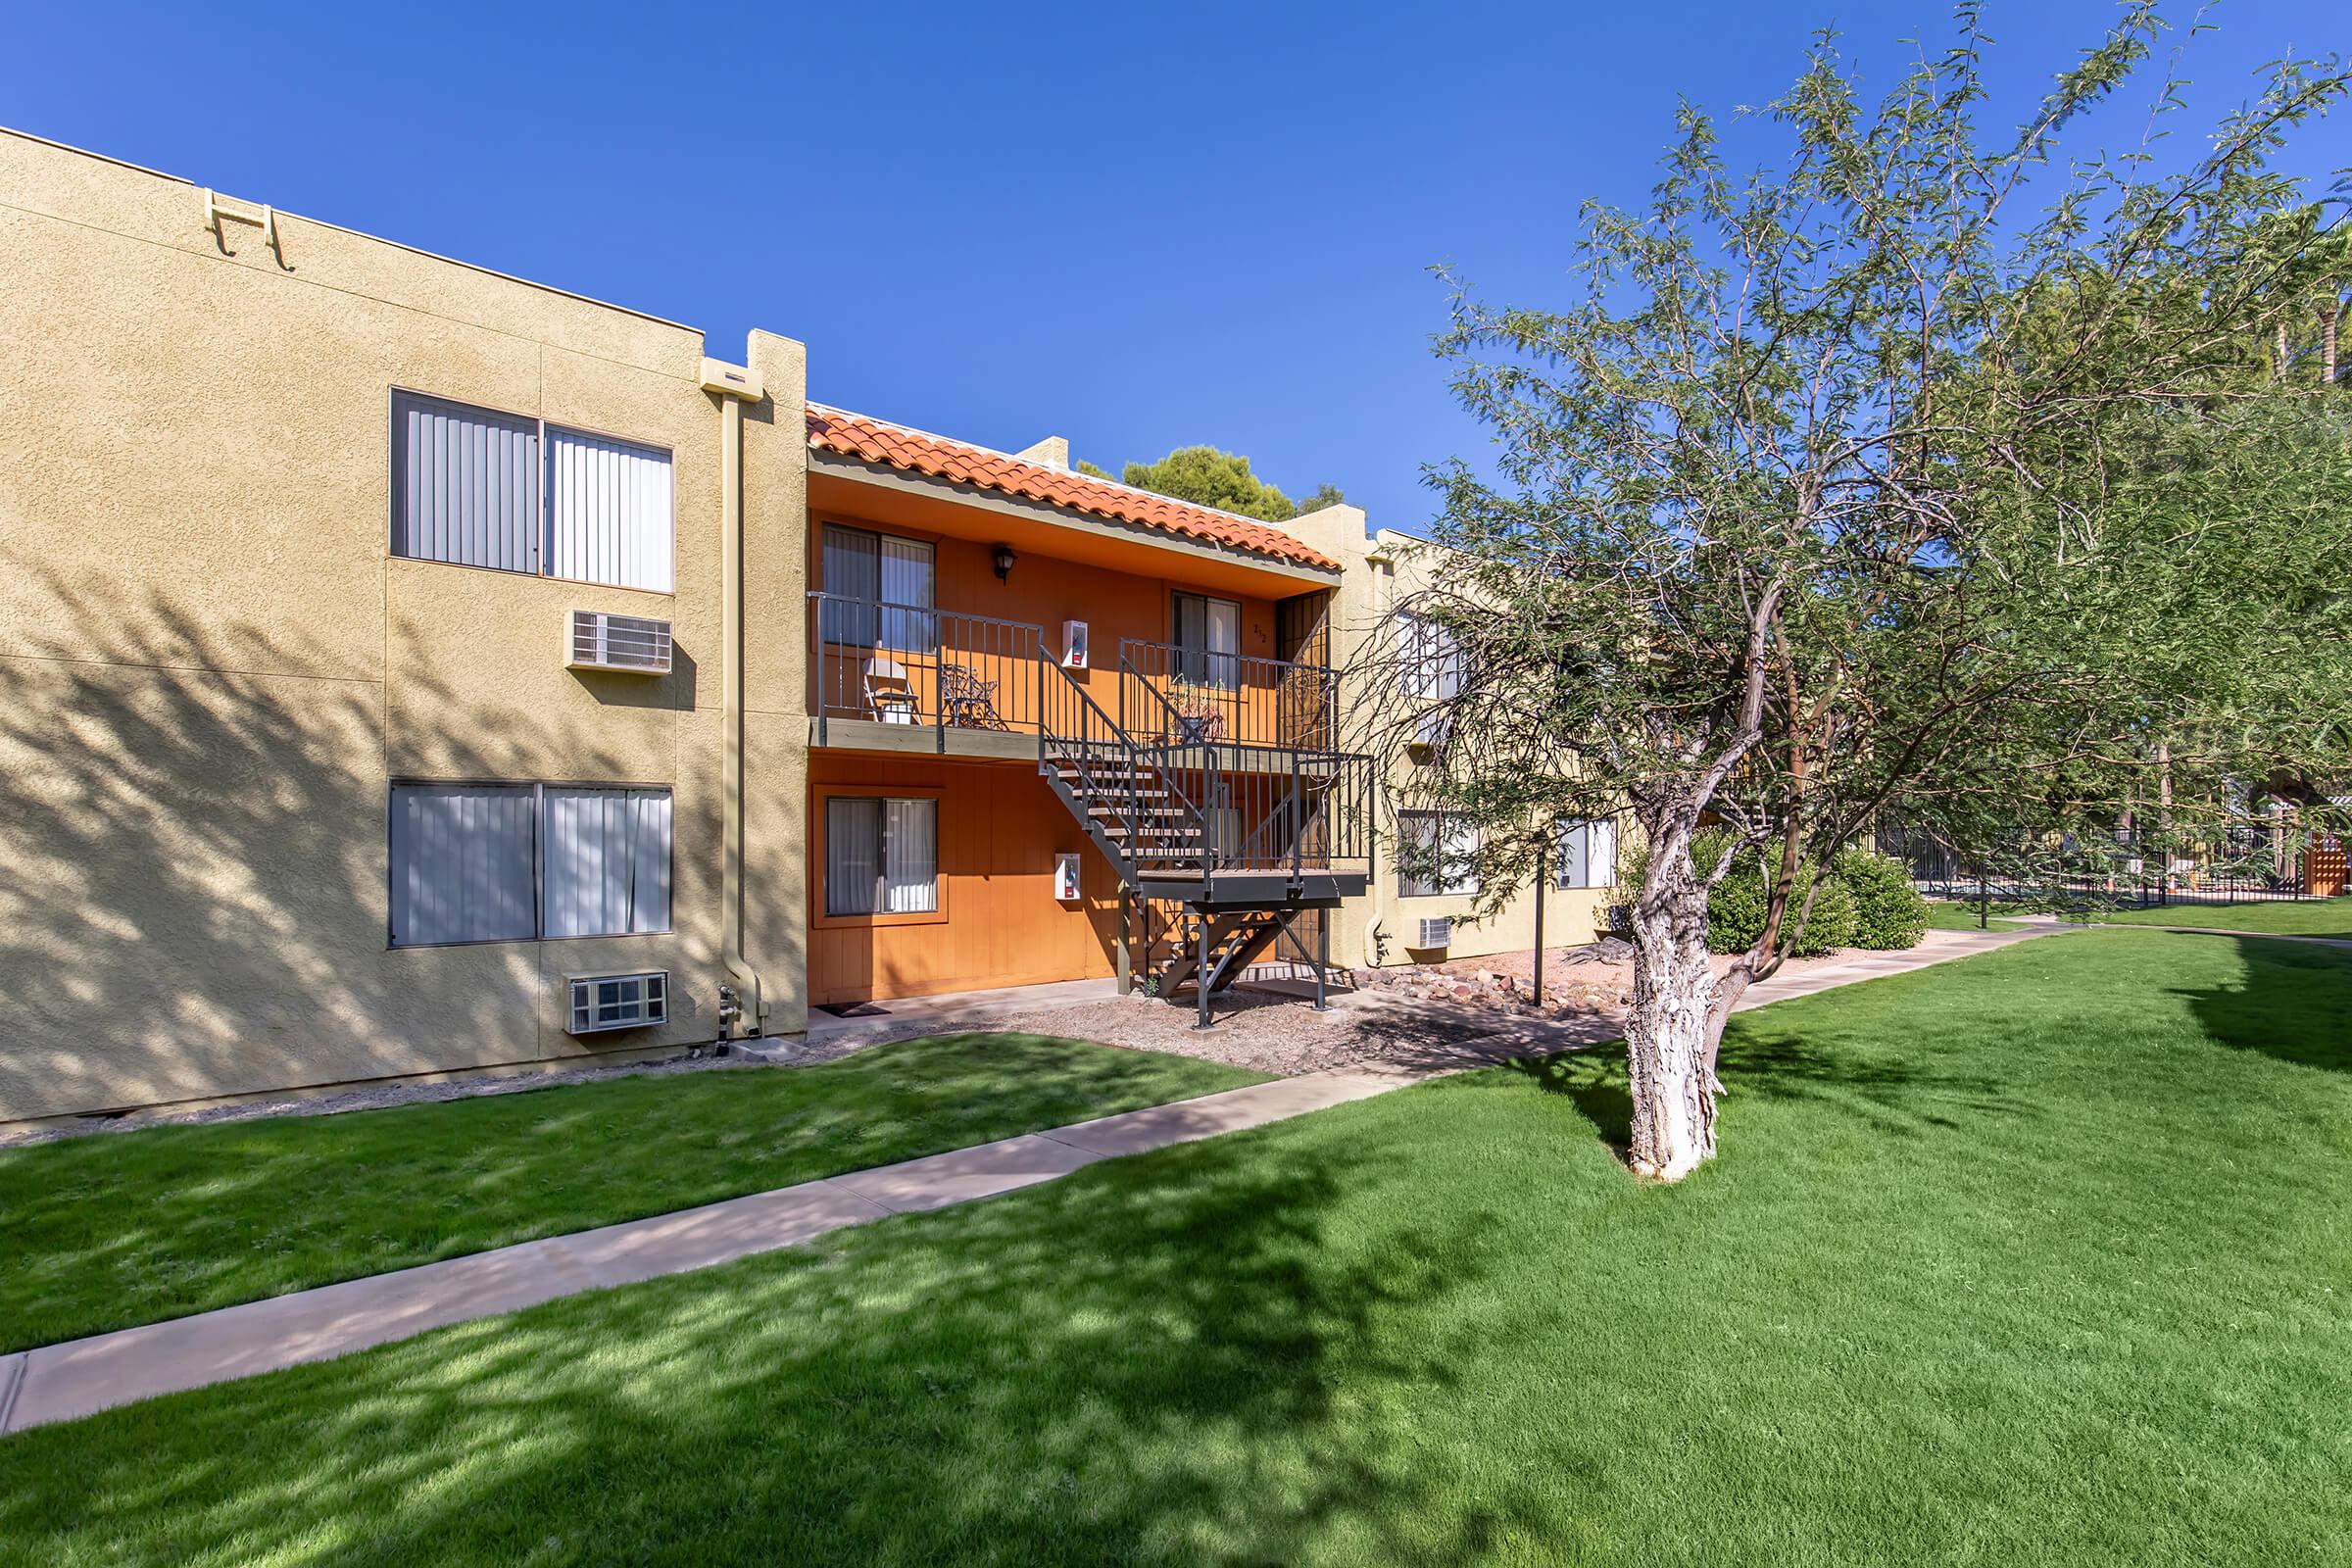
1795,512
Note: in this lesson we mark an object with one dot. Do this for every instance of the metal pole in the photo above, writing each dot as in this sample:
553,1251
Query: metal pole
1126,941
1539,847
1322,956
1200,969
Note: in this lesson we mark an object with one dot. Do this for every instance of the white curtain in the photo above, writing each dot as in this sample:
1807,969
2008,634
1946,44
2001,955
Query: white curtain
608,855
1224,643
907,584
853,855
1438,847
911,857
1574,867
1431,659
608,510
1602,854
461,859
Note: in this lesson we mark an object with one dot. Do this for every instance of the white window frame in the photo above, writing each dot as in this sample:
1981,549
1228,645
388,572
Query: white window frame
1596,842
542,547
879,622
1219,667
880,894
1429,659
539,833
1406,888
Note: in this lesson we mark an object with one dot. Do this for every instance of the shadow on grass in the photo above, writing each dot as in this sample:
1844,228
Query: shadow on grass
1162,1359
1595,1082
108,1231
1805,1055
2295,1004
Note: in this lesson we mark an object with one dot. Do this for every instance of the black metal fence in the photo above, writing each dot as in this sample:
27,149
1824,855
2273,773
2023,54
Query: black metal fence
2124,867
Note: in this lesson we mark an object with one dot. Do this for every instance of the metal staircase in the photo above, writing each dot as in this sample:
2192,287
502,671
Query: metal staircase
1240,838
1231,942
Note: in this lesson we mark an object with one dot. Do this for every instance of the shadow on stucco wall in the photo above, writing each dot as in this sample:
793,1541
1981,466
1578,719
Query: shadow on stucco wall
196,895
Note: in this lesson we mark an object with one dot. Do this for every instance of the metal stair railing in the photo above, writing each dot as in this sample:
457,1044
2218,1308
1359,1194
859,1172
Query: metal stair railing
1073,729
1156,702
1313,823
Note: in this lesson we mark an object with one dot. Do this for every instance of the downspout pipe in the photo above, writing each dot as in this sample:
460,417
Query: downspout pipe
734,385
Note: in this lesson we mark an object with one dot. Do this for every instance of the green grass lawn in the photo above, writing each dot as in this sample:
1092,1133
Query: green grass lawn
2042,1257
104,1232
1943,914
2302,917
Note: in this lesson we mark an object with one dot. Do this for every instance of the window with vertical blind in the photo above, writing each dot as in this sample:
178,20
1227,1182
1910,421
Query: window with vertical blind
878,591
1586,854
607,861
1429,674
881,856
462,863
510,862
1208,640
475,487
1434,851
1429,659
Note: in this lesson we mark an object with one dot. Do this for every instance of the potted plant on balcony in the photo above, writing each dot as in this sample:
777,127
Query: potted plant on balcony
1199,715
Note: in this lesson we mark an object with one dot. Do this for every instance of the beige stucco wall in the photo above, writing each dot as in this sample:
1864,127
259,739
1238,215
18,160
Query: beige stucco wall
213,669
1380,928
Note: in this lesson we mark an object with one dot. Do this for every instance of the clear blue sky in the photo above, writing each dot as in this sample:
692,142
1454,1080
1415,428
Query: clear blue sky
1135,227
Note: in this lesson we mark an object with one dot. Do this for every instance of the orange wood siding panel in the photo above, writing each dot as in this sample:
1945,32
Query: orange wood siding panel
999,828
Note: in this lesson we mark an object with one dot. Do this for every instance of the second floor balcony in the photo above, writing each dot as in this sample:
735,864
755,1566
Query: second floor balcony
911,678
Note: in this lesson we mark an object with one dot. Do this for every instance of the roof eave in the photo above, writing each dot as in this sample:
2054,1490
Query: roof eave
914,482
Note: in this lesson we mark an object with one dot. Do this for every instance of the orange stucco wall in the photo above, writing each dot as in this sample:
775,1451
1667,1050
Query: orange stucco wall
998,924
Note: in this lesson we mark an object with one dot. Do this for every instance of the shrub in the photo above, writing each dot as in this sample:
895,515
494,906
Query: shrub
1888,912
1736,908
1832,921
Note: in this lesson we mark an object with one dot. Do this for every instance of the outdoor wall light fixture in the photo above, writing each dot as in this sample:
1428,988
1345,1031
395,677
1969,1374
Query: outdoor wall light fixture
1004,563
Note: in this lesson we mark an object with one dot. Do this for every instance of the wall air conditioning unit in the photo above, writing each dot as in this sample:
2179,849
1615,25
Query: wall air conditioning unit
1431,729
629,644
1436,932
602,1002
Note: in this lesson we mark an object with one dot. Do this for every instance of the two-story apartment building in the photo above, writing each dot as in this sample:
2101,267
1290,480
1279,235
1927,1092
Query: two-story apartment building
417,670
1061,728
302,779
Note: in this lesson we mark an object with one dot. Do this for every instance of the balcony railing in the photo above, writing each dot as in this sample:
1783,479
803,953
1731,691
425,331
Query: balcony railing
1265,807
1171,695
905,664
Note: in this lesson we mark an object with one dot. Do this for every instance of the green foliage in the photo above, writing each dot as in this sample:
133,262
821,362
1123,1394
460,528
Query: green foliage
1090,470
1831,924
1221,479
1737,907
1904,468
1888,912
1212,479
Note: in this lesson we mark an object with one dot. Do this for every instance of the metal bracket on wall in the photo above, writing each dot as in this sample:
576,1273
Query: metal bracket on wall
215,214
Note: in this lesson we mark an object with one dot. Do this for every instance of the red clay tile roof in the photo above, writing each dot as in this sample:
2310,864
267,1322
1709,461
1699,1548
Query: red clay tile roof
872,440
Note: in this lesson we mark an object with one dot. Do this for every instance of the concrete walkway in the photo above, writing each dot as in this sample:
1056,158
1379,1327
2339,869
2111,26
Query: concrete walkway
59,1382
